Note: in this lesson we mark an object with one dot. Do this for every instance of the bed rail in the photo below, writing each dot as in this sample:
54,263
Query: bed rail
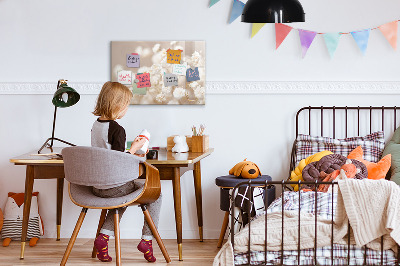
265,185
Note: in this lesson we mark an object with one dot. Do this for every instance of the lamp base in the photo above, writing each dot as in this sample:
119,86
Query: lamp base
50,146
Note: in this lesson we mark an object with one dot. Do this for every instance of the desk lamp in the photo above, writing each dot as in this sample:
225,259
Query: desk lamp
273,11
64,96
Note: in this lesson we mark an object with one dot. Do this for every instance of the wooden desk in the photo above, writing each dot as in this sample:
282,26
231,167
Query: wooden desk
171,167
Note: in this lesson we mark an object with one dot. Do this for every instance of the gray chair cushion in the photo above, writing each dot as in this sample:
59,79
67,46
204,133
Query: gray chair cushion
84,196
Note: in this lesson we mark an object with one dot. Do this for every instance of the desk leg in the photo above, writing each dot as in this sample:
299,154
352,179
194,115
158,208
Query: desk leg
197,189
176,182
27,206
60,190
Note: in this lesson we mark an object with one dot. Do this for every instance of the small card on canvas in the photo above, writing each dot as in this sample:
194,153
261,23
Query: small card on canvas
179,69
192,74
136,90
133,60
174,56
125,77
143,80
170,80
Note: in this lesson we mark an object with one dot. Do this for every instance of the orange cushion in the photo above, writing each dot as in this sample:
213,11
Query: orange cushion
375,170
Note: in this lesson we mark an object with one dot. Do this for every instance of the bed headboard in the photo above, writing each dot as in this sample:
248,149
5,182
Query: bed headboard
344,121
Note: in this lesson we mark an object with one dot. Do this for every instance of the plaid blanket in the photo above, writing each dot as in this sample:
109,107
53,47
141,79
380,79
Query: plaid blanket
323,205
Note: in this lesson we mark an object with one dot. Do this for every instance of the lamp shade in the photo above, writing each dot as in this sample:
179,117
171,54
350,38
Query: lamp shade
65,96
273,11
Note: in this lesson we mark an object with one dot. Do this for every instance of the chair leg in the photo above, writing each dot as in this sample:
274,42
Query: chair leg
154,230
117,239
101,222
223,229
73,237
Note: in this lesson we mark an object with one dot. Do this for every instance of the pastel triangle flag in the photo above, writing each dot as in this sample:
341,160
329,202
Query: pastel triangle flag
306,39
361,37
389,30
281,31
213,2
332,41
256,27
237,9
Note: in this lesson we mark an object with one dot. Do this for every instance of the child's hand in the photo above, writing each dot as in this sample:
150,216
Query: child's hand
143,155
137,144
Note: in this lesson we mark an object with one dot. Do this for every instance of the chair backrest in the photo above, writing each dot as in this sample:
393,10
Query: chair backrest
91,166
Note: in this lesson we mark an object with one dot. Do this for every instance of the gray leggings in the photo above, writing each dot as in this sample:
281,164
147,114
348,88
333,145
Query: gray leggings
154,208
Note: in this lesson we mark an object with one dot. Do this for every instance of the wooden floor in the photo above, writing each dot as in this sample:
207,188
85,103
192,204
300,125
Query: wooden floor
50,252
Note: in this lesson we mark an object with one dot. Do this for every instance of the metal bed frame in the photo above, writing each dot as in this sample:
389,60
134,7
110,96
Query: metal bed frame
283,184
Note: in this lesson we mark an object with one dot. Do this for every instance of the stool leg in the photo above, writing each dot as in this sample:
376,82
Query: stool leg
223,229
101,222
117,239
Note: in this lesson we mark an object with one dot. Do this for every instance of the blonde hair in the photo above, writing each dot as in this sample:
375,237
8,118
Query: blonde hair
112,99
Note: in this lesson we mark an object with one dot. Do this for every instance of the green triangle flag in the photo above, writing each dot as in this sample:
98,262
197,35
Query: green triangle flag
332,41
256,27
213,2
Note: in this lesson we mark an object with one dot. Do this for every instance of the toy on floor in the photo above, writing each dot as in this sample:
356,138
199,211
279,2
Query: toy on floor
13,215
245,169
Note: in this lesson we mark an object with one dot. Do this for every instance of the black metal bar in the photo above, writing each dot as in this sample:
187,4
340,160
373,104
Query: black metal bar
322,121
398,255
334,108
283,210
370,119
346,120
348,242
365,255
315,223
249,220
309,120
266,221
333,189
298,227
381,250
394,128
233,218
383,118
358,121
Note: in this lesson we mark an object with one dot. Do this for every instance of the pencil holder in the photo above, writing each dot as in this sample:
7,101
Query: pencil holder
200,143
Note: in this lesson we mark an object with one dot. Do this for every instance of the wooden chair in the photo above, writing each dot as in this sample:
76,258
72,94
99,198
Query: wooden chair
85,167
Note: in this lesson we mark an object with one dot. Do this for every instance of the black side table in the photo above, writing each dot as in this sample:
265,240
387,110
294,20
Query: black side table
226,183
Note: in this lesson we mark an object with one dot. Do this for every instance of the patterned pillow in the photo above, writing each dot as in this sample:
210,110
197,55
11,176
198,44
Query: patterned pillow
372,144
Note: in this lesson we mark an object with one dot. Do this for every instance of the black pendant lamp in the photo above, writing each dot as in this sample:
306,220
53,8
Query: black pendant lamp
273,11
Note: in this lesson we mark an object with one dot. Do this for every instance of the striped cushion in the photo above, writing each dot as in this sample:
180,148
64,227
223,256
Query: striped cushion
372,145
13,228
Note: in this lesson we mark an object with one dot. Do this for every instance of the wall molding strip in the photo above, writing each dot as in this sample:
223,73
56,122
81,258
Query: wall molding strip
231,87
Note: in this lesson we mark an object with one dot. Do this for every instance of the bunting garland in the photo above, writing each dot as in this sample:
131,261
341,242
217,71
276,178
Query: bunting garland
361,37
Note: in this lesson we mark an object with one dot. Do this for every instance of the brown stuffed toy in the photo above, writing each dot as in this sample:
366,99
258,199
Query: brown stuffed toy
246,169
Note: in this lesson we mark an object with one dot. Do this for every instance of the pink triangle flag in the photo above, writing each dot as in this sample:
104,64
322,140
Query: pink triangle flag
389,30
306,39
281,31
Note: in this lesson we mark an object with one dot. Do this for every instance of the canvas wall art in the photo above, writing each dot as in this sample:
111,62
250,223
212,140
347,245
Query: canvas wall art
161,72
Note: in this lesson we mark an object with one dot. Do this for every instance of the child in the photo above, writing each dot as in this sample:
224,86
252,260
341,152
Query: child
112,103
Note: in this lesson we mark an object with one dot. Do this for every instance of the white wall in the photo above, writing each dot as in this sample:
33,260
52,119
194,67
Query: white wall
42,41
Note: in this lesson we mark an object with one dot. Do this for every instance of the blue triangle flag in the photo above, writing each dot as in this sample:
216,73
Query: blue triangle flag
332,41
237,9
213,2
361,37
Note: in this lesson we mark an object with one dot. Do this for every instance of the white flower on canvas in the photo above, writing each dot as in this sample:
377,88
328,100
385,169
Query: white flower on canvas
178,47
196,59
179,92
199,92
160,98
144,69
146,52
139,50
166,90
117,68
193,84
172,43
156,47
157,69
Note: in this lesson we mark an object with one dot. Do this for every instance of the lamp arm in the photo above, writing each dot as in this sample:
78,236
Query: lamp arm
54,126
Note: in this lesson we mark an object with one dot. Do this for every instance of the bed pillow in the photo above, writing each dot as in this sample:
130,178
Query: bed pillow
372,144
375,170
393,148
